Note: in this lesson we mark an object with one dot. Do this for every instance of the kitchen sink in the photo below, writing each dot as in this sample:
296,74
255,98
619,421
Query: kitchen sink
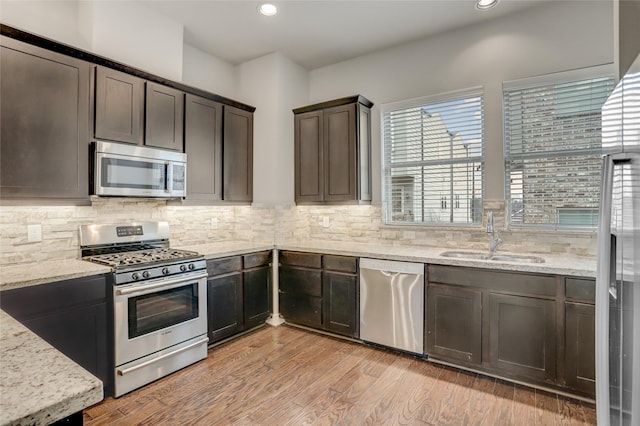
465,255
495,258
516,258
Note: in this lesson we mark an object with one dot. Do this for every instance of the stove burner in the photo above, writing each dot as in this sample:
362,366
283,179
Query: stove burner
142,257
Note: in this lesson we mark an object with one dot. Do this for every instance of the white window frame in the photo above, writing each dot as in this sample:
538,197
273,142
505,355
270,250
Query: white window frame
387,207
598,71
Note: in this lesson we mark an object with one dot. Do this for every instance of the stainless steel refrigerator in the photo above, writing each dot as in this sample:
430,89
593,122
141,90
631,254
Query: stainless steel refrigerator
618,274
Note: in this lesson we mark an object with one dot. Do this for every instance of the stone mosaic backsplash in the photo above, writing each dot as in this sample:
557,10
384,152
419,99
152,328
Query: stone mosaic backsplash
193,225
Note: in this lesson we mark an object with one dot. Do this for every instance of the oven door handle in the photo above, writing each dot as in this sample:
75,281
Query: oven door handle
159,285
125,371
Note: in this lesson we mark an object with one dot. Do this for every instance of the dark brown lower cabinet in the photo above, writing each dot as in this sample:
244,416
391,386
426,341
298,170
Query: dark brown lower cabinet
454,323
534,328
303,310
522,336
238,294
580,346
72,316
224,306
320,291
301,295
256,295
339,298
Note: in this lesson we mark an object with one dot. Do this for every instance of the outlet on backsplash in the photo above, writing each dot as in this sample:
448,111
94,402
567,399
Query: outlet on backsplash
325,221
214,223
34,233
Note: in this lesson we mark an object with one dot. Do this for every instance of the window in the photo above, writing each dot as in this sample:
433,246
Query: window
553,143
432,159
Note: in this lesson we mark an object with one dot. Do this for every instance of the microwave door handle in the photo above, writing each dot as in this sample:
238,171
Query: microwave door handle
168,176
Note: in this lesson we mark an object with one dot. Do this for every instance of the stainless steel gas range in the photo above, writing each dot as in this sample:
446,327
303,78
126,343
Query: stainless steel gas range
159,300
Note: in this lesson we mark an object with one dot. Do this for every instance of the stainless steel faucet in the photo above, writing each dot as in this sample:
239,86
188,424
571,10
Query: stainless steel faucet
495,240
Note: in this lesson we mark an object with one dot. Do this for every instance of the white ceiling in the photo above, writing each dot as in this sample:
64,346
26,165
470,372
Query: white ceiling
315,33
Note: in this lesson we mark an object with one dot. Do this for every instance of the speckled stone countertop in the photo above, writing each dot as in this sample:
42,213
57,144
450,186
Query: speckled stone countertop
553,263
227,248
25,275
38,384
32,274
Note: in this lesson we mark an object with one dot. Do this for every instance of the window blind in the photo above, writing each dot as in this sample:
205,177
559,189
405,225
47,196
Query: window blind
432,161
553,142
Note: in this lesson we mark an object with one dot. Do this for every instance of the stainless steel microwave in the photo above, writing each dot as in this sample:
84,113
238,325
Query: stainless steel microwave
135,171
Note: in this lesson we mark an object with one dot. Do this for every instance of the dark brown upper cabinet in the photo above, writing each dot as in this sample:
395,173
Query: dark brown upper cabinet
119,106
333,152
203,145
164,121
44,125
237,151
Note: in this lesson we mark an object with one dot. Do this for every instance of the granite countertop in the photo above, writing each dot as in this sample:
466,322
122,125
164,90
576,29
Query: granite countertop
32,274
553,263
227,248
38,384
25,275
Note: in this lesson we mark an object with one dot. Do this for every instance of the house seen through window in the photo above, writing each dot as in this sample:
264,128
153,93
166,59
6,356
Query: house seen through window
553,143
433,161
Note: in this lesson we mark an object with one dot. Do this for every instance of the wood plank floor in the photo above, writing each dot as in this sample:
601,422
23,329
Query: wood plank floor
287,376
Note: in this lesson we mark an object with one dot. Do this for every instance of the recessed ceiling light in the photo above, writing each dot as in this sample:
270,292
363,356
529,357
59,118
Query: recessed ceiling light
485,4
268,9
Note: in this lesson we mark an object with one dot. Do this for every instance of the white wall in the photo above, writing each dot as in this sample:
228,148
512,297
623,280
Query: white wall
551,37
274,85
57,20
201,70
136,35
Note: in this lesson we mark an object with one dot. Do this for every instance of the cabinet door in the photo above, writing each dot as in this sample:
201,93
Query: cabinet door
522,336
340,166
119,104
301,309
580,347
454,323
224,306
301,281
237,154
164,122
203,145
340,308
308,147
44,123
257,296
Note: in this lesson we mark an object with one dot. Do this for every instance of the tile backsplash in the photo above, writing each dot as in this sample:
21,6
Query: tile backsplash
191,225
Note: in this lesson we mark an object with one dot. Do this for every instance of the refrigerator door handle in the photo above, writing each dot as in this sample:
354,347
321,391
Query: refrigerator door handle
603,276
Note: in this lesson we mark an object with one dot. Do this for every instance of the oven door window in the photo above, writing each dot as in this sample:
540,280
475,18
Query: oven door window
158,310
139,174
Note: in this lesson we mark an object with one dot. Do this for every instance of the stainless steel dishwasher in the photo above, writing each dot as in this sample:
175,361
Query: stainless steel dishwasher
392,304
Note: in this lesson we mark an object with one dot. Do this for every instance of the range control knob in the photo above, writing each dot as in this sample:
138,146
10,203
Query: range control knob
183,268
135,276
146,274
192,266
165,271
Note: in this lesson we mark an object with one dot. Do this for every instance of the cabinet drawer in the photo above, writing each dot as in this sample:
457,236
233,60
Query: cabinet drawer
536,285
580,289
309,260
301,281
256,259
340,263
224,265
